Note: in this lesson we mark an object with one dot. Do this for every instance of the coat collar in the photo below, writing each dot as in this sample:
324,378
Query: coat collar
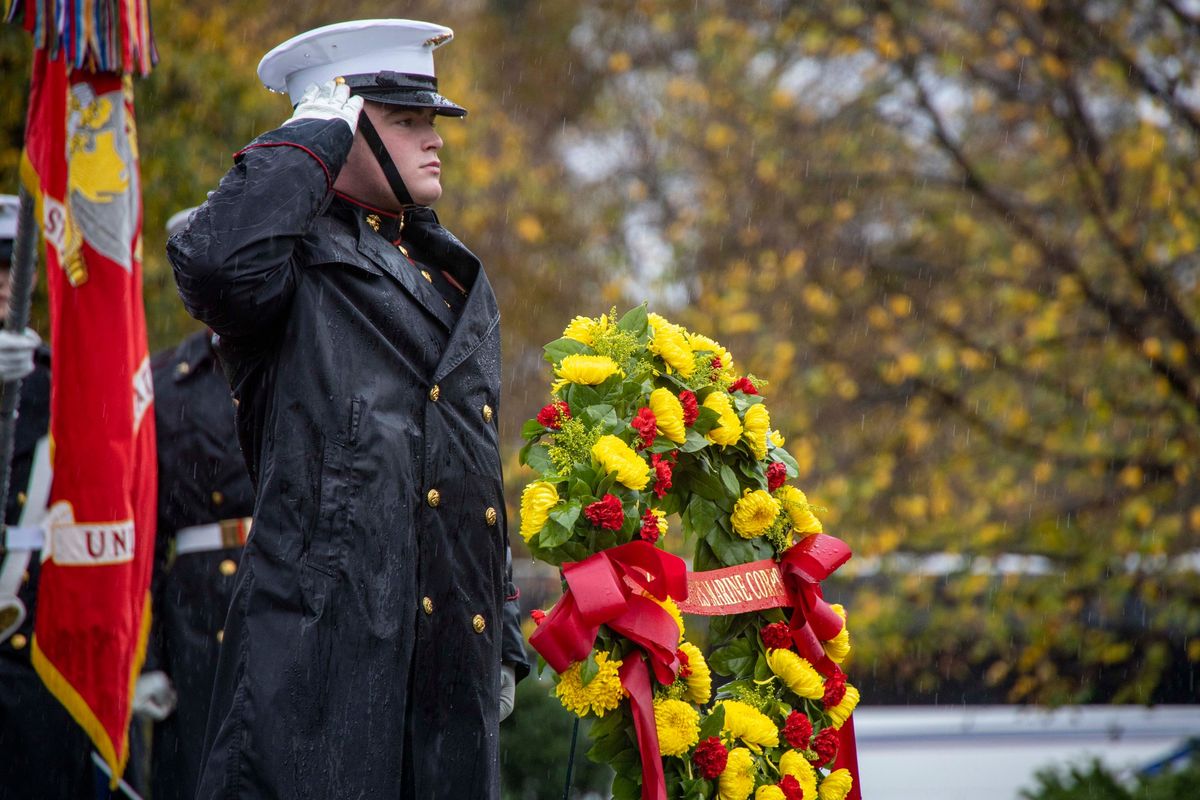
386,255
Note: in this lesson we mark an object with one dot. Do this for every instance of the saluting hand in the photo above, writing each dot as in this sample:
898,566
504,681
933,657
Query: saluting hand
330,100
16,353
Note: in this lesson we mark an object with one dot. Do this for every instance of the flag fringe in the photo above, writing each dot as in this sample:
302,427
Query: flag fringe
93,35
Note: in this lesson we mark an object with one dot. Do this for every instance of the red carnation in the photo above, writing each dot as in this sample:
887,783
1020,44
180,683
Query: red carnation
538,615
825,744
662,473
606,513
646,424
649,530
777,636
835,689
791,788
553,414
710,756
743,385
716,368
691,409
776,475
797,730
684,669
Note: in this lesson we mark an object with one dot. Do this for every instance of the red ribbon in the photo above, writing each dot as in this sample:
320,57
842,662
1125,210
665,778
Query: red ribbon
804,566
610,588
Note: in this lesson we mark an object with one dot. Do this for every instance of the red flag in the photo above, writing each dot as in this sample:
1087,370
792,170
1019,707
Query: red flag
93,611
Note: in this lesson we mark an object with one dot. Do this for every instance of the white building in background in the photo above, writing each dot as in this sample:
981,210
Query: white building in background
993,752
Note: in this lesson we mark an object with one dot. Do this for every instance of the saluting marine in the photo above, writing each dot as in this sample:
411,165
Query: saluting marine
363,650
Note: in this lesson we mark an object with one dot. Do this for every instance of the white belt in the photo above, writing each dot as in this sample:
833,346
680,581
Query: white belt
214,536
24,537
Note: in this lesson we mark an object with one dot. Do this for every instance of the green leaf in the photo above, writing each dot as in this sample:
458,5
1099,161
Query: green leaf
624,788
730,482
779,454
695,441
634,321
705,483
707,420
559,349
538,459
702,515
532,429
729,548
762,671
553,534
566,514
588,669
580,396
735,658
713,723
604,416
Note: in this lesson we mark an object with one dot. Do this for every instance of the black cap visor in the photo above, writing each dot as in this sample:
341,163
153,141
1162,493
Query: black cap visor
400,89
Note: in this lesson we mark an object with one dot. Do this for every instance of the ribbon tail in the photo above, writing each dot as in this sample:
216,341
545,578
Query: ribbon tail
847,757
636,680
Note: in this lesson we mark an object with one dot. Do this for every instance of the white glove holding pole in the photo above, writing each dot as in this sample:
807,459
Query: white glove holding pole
330,100
508,690
16,353
153,696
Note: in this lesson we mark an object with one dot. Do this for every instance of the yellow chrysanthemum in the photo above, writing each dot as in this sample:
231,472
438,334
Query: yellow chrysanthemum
699,679
581,329
602,694
737,781
842,711
795,764
777,438
747,723
729,427
798,510
796,673
588,370
699,341
670,343
838,647
614,455
757,427
771,792
668,411
836,785
536,501
678,726
754,513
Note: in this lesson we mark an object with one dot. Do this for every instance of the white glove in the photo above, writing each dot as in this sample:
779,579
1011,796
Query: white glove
330,100
16,353
508,690
153,696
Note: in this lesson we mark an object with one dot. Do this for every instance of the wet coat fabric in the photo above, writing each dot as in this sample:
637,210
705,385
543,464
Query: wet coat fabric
201,480
362,649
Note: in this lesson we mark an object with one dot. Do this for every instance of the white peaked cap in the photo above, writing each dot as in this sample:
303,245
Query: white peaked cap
359,47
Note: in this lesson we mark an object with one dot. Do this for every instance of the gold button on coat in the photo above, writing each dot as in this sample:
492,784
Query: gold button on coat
490,515
220,636
427,604
183,368
19,641
218,498
478,623
435,392
433,498
487,413
228,567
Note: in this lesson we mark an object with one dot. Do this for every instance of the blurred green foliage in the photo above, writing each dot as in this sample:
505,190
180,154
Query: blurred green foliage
1094,782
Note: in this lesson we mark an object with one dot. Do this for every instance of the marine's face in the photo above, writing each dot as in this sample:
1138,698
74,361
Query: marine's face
411,139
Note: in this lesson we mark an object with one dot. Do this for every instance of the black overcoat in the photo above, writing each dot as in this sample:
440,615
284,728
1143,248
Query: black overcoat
362,649
201,480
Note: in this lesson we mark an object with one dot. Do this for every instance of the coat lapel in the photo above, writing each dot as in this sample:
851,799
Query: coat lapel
385,255
480,315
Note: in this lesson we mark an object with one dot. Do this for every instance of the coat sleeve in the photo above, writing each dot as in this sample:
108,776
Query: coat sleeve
512,646
233,262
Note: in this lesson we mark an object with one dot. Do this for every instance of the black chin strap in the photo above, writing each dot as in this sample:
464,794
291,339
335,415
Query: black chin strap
385,160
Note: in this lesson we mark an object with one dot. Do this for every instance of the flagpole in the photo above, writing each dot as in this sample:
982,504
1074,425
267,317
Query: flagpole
24,268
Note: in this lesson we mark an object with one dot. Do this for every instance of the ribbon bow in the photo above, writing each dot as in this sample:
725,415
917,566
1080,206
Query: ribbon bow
804,566
614,588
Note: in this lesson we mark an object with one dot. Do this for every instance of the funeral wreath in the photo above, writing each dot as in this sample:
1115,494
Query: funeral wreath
651,428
